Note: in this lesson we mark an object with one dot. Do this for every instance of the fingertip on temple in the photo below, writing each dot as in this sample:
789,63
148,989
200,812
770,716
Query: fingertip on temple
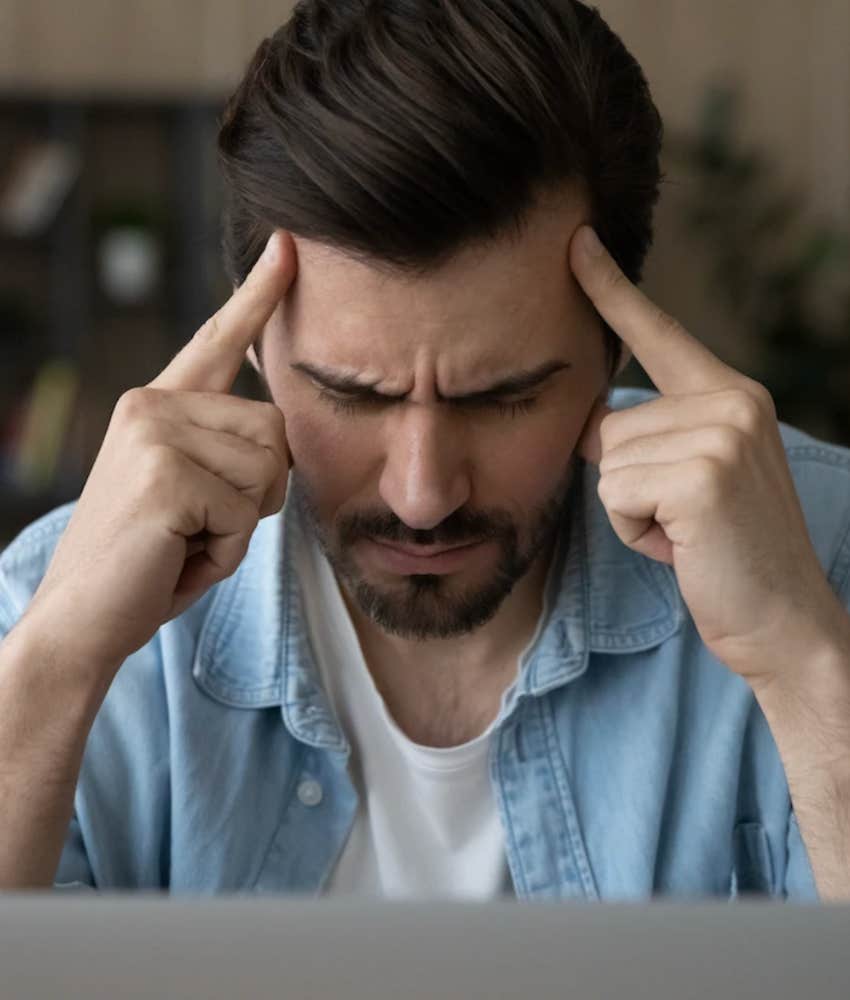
589,243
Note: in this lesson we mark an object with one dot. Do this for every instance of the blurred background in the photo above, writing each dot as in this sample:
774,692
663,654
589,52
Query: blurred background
109,204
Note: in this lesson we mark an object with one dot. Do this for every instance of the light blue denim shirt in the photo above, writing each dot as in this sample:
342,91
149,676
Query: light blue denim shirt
628,762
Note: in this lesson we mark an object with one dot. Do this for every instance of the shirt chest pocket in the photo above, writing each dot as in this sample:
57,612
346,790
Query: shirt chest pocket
752,865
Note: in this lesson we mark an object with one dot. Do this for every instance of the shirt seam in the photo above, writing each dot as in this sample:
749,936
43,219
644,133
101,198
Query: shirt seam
570,818
497,757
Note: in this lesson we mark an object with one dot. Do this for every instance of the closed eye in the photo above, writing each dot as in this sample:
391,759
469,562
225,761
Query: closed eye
515,409
362,403
351,402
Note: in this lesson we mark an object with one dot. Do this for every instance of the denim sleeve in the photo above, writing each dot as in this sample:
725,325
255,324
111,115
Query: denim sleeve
74,871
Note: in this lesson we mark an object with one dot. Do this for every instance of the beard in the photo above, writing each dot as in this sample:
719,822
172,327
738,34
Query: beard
423,607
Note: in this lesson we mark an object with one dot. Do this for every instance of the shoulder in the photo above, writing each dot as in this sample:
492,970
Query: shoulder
821,474
24,561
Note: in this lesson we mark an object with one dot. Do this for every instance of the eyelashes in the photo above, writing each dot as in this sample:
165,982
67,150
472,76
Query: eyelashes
517,409
356,407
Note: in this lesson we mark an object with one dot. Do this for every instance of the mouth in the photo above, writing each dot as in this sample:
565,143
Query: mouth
413,560
423,550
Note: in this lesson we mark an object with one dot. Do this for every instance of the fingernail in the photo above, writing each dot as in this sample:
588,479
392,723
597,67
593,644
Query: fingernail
590,242
272,252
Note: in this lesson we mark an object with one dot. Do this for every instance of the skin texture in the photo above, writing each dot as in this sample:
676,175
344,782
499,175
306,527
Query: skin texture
427,466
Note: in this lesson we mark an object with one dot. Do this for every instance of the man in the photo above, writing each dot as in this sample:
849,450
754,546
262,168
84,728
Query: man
496,632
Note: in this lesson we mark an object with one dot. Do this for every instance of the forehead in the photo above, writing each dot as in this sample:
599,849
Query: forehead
487,306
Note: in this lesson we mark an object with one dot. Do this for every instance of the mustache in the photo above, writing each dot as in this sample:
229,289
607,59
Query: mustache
461,526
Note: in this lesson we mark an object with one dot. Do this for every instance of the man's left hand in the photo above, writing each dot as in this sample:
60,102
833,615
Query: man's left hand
698,478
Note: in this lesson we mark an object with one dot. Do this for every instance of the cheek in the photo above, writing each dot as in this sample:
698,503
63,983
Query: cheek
317,439
332,461
528,468
311,440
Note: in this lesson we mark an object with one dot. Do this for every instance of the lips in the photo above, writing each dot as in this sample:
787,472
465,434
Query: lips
423,550
411,560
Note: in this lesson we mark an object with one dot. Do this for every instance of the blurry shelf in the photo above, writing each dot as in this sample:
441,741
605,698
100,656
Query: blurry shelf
157,153
24,244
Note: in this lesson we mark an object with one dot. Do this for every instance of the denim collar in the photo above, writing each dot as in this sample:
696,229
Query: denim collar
601,597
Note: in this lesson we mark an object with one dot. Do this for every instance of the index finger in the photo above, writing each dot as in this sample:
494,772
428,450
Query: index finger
212,359
675,361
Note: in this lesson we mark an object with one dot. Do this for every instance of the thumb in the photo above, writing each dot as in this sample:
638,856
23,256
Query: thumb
590,443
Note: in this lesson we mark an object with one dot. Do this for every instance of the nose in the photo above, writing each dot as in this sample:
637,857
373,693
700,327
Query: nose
425,476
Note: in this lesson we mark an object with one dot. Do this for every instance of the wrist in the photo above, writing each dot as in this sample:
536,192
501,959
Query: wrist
807,646
43,665
810,700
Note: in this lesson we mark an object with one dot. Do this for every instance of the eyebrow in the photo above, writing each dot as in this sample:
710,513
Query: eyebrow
512,385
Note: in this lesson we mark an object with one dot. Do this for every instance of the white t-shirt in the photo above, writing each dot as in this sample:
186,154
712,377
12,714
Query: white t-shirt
427,825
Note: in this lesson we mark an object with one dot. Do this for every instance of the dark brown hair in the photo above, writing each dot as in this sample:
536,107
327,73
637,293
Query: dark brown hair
401,131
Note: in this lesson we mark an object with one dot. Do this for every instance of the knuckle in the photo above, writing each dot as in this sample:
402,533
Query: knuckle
729,444
135,403
270,467
239,512
761,394
745,411
608,488
228,568
159,461
275,496
142,433
271,433
248,514
157,468
274,419
608,431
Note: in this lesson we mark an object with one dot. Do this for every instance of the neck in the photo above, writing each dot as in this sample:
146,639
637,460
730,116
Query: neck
447,691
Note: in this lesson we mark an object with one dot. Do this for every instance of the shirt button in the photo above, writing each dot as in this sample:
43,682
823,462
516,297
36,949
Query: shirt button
310,792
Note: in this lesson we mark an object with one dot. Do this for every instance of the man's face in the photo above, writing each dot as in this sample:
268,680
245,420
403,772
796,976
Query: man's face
458,462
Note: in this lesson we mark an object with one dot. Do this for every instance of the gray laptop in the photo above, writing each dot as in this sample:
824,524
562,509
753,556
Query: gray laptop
291,948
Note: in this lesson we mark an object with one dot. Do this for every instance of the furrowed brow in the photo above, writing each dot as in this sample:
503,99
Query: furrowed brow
340,381
512,385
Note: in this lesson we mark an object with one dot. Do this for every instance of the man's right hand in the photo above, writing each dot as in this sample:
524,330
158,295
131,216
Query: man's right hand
185,472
